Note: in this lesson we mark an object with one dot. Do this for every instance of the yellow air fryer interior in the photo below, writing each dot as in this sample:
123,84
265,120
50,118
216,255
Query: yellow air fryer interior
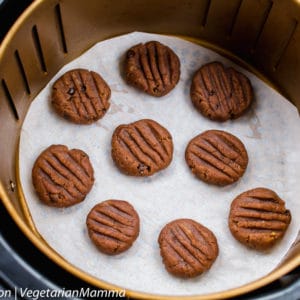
263,35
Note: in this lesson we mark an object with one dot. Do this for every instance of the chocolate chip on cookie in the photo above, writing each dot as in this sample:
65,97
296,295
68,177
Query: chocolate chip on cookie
220,93
81,96
153,68
141,148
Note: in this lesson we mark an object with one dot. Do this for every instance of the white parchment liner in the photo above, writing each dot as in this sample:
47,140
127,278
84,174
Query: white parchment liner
270,132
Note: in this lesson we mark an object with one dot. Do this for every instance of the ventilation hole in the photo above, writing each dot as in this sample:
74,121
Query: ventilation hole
234,18
10,99
286,45
12,185
206,11
263,23
22,71
61,28
38,48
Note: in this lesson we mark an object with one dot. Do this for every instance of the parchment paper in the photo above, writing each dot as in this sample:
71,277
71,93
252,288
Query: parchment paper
270,132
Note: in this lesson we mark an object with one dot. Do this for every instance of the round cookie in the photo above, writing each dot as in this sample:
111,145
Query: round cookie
217,157
258,218
187,248
141,148
62,177
113,226
81,96
220,93
153,68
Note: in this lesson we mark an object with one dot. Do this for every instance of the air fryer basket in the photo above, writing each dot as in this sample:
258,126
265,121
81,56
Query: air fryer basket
261,34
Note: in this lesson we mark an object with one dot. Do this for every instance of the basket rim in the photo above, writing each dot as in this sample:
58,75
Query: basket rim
41,244
60,261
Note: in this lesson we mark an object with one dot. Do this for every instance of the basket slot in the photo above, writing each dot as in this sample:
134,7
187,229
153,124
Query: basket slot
9,99
286,45
235,16
22,71
263,23
9,132
206,12
16,74
38,47
150,16
61,28
52,47
220,21
287,69
275,36
249,25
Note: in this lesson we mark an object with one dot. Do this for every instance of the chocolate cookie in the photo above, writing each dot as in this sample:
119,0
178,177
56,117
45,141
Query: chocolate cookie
113,226
62,177
217,157
153,68
187,248
141,148
258,218
81,96
221,93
